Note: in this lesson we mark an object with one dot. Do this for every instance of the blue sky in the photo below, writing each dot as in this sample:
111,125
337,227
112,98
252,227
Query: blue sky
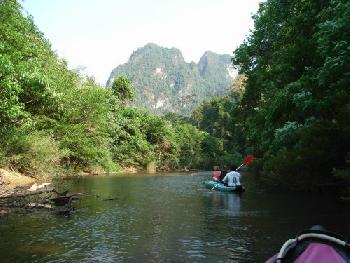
98,35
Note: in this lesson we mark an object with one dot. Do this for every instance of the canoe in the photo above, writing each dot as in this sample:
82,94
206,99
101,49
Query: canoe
314,245
221,187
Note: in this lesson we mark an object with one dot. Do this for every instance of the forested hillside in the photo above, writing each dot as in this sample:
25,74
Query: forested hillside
164,82
55,121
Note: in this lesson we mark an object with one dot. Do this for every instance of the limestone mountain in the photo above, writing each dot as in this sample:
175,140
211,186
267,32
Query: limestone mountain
164,82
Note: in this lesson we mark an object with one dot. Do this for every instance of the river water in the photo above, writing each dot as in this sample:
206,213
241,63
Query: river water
166,218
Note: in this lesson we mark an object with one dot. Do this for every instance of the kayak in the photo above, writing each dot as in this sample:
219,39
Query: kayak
313,245
223,188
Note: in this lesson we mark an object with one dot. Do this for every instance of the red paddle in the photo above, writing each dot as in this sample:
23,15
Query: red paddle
246,161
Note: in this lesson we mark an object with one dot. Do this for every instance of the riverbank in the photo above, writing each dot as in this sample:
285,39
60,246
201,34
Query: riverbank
11,182
24,194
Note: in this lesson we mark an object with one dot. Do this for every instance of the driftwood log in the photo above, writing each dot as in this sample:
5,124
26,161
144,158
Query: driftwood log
26,192
45,196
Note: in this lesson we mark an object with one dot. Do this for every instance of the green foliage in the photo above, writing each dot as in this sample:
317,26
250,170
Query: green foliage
214,117
190,140
19,47
161,134
40,95
83,128
227,159
53,119
33,153
176,119
139,138
122,89
291,108
213,150
218,117
296,100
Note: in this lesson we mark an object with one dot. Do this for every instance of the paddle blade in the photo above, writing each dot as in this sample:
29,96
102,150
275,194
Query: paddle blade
248,159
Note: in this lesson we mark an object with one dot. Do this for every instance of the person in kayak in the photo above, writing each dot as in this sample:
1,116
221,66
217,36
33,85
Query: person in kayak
233,177
216,174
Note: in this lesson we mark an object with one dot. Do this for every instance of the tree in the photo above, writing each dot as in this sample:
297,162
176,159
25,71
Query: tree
123,89
296,92
43,102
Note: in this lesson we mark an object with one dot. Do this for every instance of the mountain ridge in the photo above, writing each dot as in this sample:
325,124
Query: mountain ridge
165,82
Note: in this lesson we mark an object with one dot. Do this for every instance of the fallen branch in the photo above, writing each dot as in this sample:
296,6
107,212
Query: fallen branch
24,193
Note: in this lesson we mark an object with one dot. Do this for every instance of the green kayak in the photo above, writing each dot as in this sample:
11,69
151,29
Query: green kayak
221,187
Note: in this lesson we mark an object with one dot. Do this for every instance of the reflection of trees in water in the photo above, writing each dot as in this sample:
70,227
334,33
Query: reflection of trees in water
228,231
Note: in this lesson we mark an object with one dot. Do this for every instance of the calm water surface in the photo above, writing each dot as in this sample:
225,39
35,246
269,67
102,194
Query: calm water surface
166,218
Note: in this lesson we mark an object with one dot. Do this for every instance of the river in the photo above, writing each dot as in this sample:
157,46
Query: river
166,218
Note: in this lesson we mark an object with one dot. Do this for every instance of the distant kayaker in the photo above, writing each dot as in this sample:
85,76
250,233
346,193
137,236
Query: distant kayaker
233,177
218,174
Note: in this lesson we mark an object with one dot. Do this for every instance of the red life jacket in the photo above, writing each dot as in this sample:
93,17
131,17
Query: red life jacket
216,175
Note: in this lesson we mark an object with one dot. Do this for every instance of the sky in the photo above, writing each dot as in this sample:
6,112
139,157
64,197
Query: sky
98,35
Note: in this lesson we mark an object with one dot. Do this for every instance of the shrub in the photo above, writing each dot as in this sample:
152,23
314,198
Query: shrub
36,154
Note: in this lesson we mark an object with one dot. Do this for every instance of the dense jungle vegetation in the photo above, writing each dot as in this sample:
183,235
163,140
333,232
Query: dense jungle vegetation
54,120
289,107
294,113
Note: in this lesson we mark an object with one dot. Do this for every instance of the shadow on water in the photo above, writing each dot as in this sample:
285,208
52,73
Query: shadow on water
166,218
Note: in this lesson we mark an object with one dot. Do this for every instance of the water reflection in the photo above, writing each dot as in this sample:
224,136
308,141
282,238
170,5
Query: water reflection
228,202
164,219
